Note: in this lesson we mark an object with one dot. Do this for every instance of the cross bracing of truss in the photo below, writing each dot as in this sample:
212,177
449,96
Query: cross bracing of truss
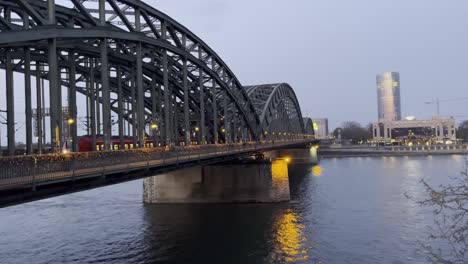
130,59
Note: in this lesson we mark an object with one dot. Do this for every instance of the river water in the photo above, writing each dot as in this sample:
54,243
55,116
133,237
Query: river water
350,210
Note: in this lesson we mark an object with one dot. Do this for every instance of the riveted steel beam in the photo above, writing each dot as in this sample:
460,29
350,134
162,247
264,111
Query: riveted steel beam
10,99
28,99
106,111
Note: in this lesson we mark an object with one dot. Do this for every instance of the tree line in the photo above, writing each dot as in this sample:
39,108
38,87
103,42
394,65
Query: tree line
354,132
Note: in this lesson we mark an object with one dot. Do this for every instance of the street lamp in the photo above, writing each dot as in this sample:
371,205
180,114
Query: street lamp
70,122
155,133
196,136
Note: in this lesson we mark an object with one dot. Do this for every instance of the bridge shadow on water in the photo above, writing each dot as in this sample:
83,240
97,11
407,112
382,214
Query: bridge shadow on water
228,233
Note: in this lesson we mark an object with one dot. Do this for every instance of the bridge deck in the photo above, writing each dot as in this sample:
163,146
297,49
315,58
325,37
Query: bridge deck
35,177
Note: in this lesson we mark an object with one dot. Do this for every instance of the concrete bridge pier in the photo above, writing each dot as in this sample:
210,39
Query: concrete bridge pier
253,181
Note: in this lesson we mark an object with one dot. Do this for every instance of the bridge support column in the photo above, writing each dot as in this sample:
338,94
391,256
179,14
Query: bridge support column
55,97
28,102
106,100
202,100
92,104
73,113
186,103
120,105
10,101
215,108
246,182
39,107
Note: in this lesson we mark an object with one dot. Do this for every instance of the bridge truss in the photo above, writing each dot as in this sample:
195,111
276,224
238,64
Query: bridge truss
124,57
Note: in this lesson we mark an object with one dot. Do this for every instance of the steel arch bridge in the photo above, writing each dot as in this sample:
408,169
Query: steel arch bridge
124,58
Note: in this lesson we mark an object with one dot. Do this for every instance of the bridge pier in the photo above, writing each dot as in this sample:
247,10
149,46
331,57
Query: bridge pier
253,181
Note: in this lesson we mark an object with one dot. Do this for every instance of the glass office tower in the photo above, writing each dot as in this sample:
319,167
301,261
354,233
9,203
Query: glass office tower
388,96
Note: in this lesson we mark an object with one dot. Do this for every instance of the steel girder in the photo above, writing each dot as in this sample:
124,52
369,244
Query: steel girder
278,108
135,61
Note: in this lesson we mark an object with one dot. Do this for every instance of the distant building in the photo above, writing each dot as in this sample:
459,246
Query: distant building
388,96
320,127
412,131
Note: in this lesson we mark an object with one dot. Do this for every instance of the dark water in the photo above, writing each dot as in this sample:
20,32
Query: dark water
345,211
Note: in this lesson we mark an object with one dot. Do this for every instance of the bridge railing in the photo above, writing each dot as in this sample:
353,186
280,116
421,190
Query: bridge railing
32,171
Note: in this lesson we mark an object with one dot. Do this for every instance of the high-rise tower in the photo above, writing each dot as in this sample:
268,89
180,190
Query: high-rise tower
388,96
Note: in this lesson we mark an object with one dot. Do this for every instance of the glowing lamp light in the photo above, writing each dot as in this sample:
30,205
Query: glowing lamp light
70,121
287,159
154,126
196,129
317,171
315,126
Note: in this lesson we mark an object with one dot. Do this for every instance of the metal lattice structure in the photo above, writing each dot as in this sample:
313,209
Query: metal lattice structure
128,58
277,107
308,125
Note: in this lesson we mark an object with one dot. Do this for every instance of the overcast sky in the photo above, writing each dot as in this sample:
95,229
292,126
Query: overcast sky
331,50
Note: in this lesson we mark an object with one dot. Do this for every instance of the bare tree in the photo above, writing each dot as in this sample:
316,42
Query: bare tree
447,241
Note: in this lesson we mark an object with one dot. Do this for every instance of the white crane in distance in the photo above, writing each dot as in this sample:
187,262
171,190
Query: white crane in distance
437,102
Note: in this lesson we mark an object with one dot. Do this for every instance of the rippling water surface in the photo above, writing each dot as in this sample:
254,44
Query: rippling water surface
349,210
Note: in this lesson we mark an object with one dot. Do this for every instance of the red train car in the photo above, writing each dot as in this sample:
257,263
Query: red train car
85,143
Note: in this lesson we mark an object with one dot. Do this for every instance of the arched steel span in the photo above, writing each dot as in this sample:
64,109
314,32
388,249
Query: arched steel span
277,107
127,57
308,126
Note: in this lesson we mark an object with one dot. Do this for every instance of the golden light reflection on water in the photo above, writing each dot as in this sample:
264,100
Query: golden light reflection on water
290,246
279,170
280,181
290,238
313,153
317,171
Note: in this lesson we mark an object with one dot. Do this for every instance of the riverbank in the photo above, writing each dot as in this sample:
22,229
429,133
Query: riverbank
353,151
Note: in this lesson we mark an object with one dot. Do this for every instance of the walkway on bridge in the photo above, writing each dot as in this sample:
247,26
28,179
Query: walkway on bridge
30,177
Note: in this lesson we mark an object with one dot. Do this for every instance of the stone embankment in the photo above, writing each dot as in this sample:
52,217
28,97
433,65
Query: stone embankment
372,151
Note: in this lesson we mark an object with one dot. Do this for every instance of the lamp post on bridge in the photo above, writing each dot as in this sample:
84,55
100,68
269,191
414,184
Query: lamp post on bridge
196,135
70,139
154,129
